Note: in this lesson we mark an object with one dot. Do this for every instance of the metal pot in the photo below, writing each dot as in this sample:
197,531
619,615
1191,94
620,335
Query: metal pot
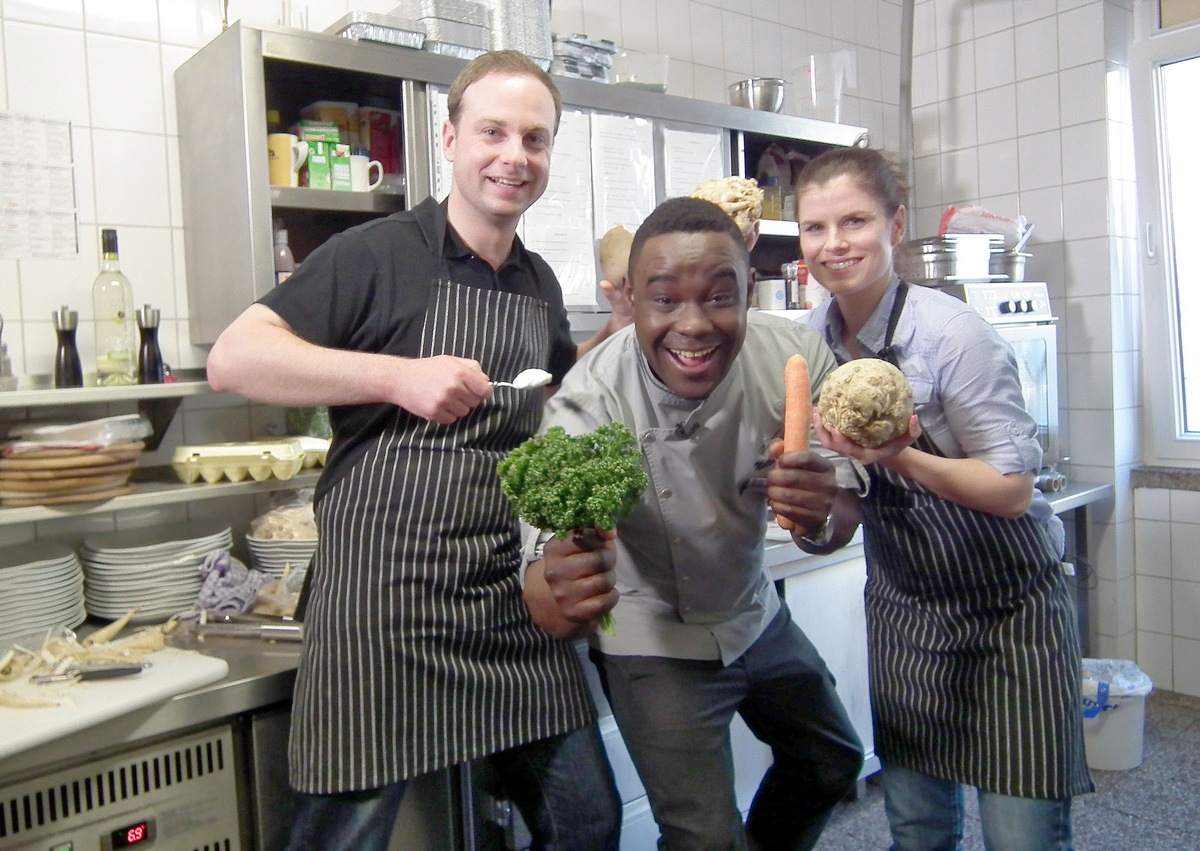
1010,263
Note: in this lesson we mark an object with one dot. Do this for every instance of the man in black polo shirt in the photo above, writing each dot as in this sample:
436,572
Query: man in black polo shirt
418,651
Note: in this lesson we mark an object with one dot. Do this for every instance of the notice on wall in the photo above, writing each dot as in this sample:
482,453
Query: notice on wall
559,225
690,157
37,188
622,171
443,169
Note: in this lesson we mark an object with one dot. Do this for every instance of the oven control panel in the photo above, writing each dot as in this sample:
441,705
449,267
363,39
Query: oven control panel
1009,302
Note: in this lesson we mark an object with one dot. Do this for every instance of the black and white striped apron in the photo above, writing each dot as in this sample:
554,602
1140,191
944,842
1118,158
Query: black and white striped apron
974,659
419,652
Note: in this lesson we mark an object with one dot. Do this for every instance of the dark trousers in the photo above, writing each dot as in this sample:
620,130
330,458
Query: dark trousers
674,715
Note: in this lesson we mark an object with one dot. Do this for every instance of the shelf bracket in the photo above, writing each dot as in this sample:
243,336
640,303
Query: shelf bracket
160,413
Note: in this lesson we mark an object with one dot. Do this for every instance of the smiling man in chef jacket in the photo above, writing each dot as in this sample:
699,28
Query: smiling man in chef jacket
418,652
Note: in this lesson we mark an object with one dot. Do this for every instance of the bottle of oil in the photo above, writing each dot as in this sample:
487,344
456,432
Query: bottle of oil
112,308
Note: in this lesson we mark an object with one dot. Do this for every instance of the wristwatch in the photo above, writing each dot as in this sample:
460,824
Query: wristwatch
822,536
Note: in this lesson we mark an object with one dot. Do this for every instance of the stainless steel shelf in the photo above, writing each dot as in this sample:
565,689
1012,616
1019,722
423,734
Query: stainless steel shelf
326,200
155,487
37,392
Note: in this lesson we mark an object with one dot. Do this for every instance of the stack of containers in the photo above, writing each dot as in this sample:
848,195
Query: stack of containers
582,57
522,25
456,28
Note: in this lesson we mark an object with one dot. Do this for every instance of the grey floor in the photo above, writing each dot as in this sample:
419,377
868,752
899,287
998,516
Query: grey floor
1154,807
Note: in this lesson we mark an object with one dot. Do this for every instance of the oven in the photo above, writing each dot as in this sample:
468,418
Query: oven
1021,312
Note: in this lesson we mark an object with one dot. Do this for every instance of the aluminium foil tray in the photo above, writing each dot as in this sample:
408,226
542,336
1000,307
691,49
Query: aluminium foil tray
385,29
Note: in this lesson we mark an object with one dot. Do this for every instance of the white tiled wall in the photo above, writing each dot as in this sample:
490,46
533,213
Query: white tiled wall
1018,105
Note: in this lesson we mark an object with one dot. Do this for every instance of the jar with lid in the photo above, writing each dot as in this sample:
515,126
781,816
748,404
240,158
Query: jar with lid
772,203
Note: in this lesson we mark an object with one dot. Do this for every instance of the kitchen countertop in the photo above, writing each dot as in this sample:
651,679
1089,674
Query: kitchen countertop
262,673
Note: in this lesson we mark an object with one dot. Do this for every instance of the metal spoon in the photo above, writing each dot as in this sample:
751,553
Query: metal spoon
527,379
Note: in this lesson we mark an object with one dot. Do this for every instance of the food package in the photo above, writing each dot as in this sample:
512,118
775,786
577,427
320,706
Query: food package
257,459
971,218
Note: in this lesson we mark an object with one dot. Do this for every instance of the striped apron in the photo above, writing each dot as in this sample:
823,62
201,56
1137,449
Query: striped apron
974,659
418,651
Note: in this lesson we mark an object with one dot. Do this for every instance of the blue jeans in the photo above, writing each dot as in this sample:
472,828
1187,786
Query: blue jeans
926,814
674,715
563,786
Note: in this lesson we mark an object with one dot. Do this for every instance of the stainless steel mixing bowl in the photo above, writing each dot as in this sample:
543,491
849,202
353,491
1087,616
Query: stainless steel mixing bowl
763,93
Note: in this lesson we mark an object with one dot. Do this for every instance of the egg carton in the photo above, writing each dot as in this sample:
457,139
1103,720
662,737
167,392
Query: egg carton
255,459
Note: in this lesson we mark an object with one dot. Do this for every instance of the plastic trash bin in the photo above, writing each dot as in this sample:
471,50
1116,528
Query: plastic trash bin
1114,713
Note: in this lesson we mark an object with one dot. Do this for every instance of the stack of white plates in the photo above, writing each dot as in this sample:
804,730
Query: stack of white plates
41,587
272,555
156,569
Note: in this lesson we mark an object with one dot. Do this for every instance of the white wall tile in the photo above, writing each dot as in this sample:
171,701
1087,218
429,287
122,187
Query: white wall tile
1186,667
867,24
1154,604
737,34
994,60
125,84
997,167
131,178
819,18
709,84
1154,656
1185,507
1126,380
601,20
566,16
81,154
954,23
1126,323
997,116
674,24
1089,327
639,26
1085,152
1153,548
1083,93
1036,48
1040,159
172,58
960,123
1153,503
1091,381
889,27
960,176
46,71
1185,552
1031,10
1039,110
47,284
793,15
1185,599
1081,35
129,18
1088,203
924,28
1088,261
768,55
55,13
191,23
991,18
925,80
1044,207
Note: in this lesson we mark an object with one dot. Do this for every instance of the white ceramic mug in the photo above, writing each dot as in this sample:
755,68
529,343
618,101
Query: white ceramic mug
360,173
285,154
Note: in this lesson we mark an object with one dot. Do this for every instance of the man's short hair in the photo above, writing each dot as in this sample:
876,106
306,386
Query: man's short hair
507,62
686,215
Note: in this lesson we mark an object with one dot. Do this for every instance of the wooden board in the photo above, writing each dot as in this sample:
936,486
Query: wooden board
81,705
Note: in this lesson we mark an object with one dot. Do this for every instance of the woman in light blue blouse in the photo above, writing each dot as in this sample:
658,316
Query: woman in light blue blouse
974,657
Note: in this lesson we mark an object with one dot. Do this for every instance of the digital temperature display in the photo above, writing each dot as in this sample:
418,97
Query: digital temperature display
132,835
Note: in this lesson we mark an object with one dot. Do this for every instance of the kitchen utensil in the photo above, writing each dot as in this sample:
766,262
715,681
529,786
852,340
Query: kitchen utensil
263,631
527,379
1024,238
761,93
80,673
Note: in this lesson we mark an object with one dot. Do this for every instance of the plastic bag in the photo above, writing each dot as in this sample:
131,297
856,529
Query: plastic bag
90,434
289,517
280,596
1106,682
972,218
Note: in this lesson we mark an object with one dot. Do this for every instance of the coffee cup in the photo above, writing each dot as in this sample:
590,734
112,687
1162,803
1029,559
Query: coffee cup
285,154
360,173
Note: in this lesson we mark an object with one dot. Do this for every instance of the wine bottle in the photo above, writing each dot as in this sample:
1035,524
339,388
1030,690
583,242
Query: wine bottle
285,264
112,307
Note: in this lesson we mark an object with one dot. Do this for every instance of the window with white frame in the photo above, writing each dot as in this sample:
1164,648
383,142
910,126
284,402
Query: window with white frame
1165,76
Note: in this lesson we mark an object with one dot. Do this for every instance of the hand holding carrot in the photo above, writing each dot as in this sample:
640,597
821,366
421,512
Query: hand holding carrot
797,412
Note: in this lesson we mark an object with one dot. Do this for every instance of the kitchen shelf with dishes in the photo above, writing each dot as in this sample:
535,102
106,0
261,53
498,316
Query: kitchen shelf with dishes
154,486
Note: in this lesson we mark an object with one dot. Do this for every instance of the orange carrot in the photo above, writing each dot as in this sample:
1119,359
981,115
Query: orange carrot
797,412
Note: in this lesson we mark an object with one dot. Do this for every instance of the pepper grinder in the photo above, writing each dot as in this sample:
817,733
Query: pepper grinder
150,361
68,371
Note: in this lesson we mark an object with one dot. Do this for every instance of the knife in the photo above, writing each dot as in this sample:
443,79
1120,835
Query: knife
79,673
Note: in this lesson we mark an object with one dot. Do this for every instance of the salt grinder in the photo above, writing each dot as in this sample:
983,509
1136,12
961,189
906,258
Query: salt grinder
68,371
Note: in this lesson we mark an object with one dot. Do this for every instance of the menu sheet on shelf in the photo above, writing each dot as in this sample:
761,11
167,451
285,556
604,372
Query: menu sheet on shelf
690,157
622,171
559,225
443,169
37,188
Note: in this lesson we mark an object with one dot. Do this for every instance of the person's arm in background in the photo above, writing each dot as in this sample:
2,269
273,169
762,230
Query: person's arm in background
258,356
